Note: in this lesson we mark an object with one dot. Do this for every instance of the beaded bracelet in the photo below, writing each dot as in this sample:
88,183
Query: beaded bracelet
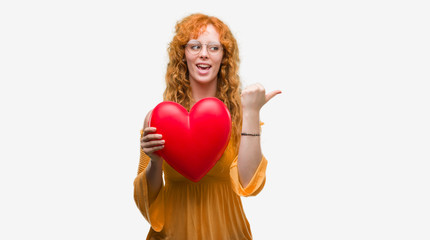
250,134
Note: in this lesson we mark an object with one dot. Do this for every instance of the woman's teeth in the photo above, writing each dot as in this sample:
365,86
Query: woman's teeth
203,66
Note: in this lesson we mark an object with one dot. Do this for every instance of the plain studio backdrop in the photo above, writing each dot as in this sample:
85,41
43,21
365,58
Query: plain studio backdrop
347,141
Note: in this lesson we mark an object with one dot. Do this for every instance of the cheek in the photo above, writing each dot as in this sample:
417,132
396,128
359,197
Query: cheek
189,62
219,61
188,58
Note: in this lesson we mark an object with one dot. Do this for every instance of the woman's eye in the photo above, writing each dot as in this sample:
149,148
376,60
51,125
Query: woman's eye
195,47
214,47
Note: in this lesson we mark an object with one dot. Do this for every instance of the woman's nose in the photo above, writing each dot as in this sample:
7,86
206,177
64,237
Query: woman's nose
204,51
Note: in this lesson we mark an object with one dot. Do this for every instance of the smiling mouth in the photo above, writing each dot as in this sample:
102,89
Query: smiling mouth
203,66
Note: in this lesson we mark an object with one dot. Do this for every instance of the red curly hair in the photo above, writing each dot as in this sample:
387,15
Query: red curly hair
178,87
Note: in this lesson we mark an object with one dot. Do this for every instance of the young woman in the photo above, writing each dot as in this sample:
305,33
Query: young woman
204,62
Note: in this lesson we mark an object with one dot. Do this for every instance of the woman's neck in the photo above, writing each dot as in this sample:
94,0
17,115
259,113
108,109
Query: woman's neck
200,91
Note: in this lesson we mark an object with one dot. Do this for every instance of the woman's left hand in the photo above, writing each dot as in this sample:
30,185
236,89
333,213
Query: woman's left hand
254,97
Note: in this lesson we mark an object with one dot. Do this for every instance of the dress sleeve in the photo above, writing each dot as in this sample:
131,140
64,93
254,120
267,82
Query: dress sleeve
255,185
154,211
257,182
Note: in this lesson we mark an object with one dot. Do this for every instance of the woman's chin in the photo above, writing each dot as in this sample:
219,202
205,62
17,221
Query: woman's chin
204,80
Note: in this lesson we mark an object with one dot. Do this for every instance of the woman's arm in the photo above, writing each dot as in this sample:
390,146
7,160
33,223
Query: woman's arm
253,98
150,143
250,150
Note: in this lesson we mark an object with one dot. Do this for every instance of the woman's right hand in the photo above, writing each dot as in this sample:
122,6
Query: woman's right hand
151,142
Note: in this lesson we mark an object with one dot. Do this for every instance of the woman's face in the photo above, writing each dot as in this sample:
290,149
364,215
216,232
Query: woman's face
203,66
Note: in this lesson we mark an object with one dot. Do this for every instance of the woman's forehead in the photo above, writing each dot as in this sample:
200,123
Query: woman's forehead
207,31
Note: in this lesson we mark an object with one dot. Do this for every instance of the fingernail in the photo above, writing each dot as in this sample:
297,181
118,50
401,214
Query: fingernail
163,141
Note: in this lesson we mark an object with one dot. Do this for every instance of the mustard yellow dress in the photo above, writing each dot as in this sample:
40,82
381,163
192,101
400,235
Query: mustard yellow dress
210,209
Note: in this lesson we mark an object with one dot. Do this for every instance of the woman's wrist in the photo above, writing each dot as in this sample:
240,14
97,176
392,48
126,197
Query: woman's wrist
251,116
251,112
251,123
156,161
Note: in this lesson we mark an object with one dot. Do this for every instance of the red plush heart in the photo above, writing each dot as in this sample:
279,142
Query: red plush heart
195,141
